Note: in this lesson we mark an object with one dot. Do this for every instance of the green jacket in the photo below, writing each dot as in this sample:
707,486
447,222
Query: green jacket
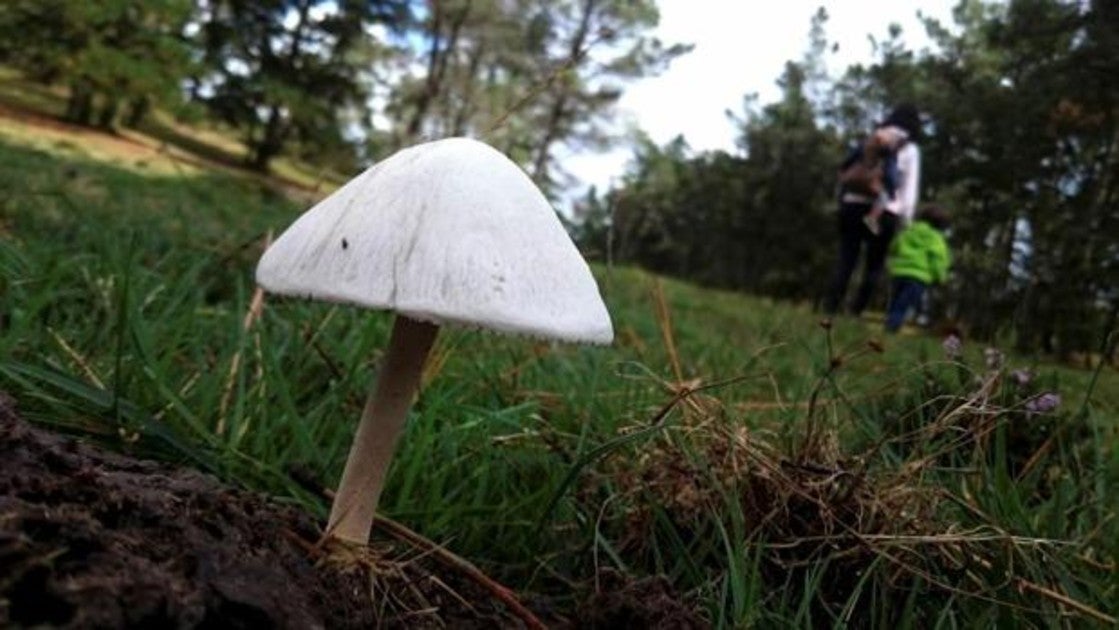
921,253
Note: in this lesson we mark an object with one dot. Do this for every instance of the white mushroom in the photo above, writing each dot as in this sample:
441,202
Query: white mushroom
446,232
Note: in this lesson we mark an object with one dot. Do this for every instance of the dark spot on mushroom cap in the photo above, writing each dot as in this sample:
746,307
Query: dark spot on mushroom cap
345,244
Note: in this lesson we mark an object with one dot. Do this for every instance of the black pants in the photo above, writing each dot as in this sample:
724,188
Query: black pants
853,235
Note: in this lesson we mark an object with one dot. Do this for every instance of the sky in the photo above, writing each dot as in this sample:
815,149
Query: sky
741,47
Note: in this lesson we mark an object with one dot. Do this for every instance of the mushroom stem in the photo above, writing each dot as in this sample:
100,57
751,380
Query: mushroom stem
382,421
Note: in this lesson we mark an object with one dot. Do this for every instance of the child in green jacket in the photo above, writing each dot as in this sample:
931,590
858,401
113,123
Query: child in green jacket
918,257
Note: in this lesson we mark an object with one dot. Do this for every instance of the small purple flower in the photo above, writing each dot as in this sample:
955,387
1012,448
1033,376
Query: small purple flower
1044,403
953,347
1021,377
993,357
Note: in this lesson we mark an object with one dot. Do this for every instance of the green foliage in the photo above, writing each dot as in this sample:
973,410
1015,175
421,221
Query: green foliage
1024,148
526,75
289,72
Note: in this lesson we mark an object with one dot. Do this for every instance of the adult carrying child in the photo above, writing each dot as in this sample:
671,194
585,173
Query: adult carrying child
878,194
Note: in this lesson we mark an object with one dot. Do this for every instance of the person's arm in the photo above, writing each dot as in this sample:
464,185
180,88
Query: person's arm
940,259
904,203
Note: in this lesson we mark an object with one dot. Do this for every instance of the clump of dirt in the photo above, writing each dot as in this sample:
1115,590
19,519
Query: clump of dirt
619,603
90,538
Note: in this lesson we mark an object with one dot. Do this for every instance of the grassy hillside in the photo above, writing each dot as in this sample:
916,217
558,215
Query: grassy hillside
31,115
769,465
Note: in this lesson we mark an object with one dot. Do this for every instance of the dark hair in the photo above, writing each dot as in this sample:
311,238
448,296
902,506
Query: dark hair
935,216
906,116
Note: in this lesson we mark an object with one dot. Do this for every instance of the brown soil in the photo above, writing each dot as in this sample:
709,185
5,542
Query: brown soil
624,604
90,538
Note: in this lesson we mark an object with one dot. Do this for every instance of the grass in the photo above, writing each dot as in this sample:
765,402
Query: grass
714,443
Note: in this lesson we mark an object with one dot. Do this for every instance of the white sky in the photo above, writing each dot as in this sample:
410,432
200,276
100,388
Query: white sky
741,47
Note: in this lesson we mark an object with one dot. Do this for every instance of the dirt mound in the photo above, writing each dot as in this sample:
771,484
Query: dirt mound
90,538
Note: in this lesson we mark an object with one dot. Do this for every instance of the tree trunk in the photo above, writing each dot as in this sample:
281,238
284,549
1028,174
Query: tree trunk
558,111
79,107
107,118
271,142
138,109
276,129
438,58
467,107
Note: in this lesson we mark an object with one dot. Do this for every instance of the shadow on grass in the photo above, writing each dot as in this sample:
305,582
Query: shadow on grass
167,134
30,98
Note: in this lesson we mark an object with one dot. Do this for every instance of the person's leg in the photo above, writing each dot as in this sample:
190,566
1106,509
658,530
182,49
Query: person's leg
895,312
905,294
876,251
924,310
851,235
870,219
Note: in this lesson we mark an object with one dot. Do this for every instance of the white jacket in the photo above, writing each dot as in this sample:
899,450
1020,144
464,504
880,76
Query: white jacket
904,203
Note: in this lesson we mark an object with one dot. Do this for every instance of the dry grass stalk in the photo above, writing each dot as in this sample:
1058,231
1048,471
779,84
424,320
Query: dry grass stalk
77,358
252,314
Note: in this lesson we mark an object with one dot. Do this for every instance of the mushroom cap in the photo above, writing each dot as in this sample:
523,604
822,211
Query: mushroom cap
450,232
